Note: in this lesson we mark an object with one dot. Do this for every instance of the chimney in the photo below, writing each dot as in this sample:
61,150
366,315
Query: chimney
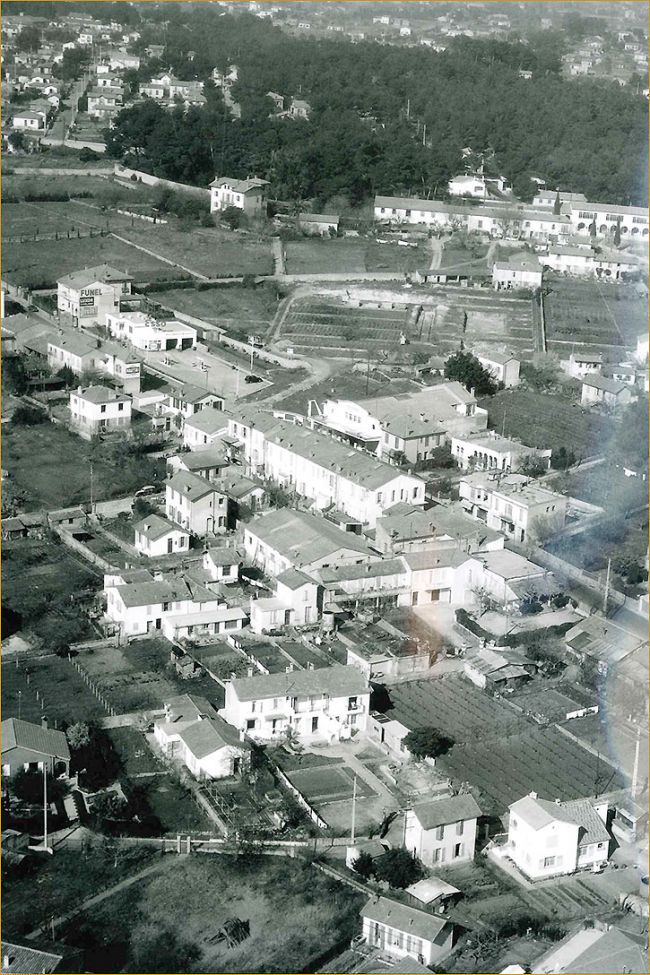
7,961
310,665
242,735
472,391
533,795
44,722
249,671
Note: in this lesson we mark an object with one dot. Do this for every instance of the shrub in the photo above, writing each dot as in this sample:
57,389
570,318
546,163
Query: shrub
399,868
364,865
427,743
28,416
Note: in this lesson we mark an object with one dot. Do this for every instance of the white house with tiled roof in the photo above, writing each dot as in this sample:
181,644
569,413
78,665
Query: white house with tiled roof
442,830
30,747
155,536
248,195
547,838
192,732
195,504
99,409
329,703
405,932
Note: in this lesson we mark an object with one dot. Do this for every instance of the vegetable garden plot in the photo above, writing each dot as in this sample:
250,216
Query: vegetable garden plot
327,784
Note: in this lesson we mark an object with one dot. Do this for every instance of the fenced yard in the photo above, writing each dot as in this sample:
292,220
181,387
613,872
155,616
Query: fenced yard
63,695
140,676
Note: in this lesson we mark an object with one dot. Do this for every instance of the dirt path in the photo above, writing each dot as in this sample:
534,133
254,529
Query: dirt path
437,248
44,929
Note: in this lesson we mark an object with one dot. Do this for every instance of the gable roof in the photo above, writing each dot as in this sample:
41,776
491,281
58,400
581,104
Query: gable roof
403,918
612,386
335,681
100,394
25,958
188,707
35,738
451,809
539,813
209,735
101,272
303,538
202,460
154,527
191,486
591,951
294,579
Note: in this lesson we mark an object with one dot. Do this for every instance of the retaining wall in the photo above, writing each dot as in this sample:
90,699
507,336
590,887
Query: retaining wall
123,172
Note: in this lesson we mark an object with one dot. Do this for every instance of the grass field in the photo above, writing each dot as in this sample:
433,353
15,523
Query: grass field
599,316
354,256
67,698
454,706
39,264
295,915
234,308
140,676
49,468
136,756
60,884
540,420
209,251
541,760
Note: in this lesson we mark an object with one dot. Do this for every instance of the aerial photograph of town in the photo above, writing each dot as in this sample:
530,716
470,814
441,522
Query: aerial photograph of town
325,487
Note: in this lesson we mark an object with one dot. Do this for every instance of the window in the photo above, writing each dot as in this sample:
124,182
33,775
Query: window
437,855
549,862
102,409
513,822
458,851
460,828
440,833
250,724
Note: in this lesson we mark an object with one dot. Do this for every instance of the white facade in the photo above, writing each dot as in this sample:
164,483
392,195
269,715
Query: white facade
29,121
144,332
584,263
404,932
154,537
195,504
295,603
248,195
442,831
504,368
98,409
581,364
546,838
517,274
473,186
317,704
489,451
510,504
89,297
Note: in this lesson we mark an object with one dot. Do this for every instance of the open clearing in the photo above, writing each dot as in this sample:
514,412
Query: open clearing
67,698
322,784
454,706
49,468
317,913
541,420
353,256
241,311
212,252
140,676
603,317
542,760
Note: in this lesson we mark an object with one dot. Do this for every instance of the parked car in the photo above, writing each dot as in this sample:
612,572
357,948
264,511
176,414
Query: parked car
147,490
252,379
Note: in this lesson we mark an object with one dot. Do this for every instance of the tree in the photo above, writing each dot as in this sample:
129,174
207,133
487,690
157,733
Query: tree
110,806
561,458
97,761
557,204
399,868
427,743
629,445
466,369
364,865
18,141
15,379
533,466
142,508
29,39
28,786
593,230
28,416
72,65
68,376
617,234
233,217
78,735
154,945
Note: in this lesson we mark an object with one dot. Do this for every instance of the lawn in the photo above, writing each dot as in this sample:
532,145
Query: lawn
49,468
594,314
454,706
63,881
295,913
211,252
66,696
605,485
139,676
354,255
541,760
542,420
320,785
40,264
234,308
136,756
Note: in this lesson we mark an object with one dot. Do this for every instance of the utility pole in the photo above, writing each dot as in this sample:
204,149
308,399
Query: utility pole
354,808
408,108
503,425
607,581
45,805
635,770
424,135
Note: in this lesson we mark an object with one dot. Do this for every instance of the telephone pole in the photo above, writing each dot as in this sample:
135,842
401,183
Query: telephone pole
354,808
607,582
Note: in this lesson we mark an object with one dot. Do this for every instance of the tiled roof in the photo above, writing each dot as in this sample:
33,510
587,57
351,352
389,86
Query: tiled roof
304,538
34,737
206,736
101,272
155,527
451,809
24,958
336,681
191,485
421,924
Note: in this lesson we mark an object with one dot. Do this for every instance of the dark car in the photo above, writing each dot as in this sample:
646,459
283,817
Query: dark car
252,379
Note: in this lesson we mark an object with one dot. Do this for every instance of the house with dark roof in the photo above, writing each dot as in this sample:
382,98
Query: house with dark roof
443,830
248,195
31,747
40,957
406,932
549,838
328,703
